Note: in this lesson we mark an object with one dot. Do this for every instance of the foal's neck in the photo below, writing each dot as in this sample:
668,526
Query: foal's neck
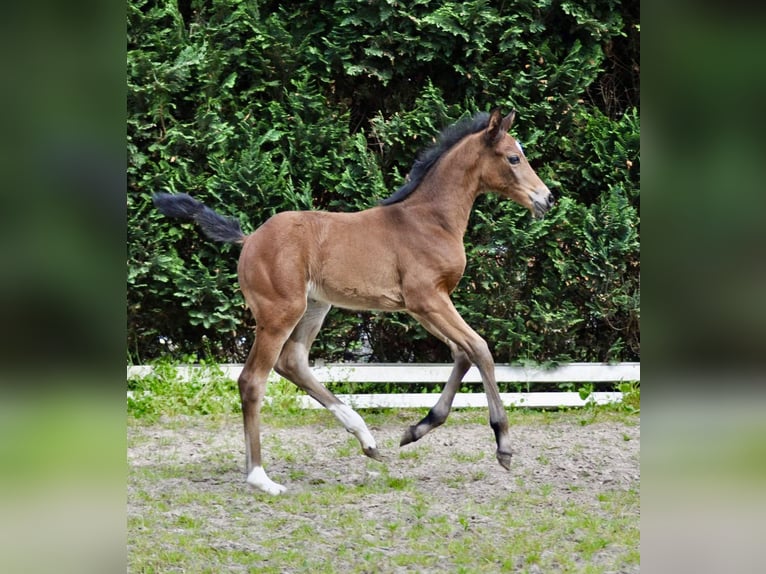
448,193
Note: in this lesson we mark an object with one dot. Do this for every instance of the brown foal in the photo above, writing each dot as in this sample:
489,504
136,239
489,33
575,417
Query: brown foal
405,254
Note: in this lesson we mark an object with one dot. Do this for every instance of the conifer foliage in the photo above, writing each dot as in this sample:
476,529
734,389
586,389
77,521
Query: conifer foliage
257,107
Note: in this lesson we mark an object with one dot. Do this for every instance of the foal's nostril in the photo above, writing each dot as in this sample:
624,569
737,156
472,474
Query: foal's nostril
551,199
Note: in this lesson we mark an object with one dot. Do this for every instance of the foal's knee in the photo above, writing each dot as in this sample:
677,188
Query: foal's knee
460,357
478,352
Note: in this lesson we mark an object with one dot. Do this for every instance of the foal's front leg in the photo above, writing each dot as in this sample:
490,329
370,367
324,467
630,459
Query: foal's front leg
442,319
439,412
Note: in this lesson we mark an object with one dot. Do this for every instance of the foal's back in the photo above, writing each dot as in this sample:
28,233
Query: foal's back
348,260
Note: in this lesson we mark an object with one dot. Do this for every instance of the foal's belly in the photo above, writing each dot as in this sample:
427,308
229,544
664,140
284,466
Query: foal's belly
357,297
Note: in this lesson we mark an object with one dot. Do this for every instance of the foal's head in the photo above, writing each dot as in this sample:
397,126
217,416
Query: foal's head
505,169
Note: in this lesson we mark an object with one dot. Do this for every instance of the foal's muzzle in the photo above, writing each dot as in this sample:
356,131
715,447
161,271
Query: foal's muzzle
542,202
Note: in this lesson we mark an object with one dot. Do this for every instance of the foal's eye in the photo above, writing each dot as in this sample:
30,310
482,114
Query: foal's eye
514,159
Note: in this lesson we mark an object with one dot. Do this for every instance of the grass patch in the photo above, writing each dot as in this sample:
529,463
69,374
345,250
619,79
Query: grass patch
206,391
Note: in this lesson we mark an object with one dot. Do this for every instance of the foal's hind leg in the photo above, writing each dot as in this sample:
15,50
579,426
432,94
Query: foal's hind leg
269,339
293,364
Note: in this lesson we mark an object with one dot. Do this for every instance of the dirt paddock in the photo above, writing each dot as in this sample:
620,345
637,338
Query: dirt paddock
569,503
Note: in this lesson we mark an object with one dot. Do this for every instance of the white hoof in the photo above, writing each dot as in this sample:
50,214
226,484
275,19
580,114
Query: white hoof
258,479
355,425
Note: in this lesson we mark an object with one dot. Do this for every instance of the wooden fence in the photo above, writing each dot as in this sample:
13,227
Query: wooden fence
406,373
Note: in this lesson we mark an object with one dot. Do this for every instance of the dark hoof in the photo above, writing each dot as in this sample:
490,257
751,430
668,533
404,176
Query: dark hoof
373,454
504,458
408,437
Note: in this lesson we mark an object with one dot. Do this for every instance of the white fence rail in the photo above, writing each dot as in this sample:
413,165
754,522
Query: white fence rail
404,373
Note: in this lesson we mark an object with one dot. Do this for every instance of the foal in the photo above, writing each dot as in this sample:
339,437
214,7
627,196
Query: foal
405,254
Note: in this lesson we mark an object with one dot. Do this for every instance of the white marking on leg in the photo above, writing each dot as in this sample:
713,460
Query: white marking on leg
353,423
258,479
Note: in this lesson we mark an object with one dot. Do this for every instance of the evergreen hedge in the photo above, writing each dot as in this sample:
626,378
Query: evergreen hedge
258,107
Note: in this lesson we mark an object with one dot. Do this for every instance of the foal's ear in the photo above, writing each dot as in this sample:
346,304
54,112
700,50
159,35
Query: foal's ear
508,121
498,125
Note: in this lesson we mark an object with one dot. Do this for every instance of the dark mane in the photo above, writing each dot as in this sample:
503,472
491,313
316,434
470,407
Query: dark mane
448,138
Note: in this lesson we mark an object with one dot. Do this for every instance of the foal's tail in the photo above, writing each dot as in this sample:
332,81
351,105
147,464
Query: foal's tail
215,226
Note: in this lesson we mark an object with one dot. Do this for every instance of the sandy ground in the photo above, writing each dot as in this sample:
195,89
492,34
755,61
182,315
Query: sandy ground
454,464
560,454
